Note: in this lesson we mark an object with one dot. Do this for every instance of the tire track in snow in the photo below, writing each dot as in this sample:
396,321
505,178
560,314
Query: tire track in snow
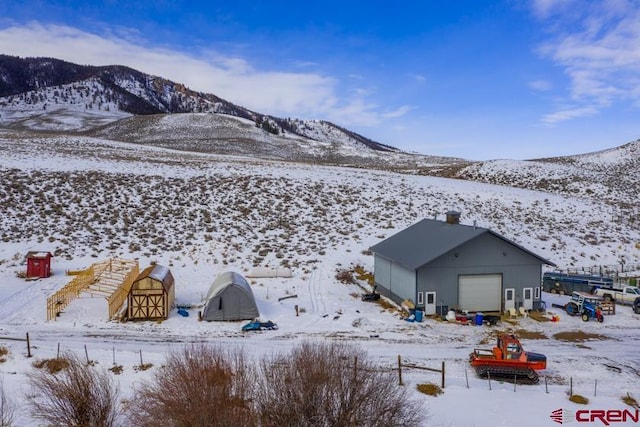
312,293
316,295
320,290
12,308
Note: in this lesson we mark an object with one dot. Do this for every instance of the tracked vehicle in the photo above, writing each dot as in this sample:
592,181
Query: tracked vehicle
507,361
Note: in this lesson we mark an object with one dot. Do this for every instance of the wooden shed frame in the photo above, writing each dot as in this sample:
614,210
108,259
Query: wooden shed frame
110,279
152,294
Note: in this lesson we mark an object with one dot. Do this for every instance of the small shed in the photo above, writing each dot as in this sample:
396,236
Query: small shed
230,298
38,264
152,294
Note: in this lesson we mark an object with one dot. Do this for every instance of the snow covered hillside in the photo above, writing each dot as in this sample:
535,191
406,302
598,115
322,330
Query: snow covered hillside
88,199
50,94
607,175
125,198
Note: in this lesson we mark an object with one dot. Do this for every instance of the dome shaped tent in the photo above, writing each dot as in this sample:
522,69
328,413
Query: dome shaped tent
230,298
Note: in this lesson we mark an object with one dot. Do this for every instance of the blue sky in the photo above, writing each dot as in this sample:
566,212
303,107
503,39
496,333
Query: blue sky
476,79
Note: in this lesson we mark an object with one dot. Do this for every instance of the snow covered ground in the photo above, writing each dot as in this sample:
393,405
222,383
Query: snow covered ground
603,368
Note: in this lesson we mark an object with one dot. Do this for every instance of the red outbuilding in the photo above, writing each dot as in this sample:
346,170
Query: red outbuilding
38,264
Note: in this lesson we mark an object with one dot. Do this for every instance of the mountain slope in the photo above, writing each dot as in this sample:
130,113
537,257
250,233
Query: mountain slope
225,134
122,104
607,175
81,196
34,92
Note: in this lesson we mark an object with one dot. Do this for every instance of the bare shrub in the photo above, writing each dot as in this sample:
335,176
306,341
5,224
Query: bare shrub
332,384
7,408
363,274
116,369
630,400
77,395
52,366
198,386
429,389
345,276
576,398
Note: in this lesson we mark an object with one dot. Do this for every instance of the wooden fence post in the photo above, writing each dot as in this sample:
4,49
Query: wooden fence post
443,375
28,346
570,386
399,371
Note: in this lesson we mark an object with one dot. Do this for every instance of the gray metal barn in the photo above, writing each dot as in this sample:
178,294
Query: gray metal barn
443,264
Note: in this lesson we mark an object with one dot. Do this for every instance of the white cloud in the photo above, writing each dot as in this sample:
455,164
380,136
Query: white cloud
283,93
598,46
541,85
568,114
544,8
420,78
398,112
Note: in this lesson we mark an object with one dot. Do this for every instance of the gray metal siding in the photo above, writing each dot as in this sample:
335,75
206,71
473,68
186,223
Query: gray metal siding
403,282
486,254
382,272
394,281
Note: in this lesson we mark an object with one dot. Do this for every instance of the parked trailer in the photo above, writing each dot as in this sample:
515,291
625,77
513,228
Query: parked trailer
567,284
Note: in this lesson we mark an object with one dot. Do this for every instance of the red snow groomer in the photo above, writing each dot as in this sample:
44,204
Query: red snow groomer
507,361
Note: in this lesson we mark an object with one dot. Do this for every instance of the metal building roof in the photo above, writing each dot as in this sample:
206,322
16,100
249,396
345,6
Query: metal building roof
428,239
157,272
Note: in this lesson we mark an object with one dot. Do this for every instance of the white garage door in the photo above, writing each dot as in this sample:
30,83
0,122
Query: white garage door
480,292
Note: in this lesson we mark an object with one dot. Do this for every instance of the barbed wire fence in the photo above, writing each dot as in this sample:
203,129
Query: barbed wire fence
589,386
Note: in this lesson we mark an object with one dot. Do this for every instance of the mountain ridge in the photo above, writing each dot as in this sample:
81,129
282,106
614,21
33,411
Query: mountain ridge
32,81
122,104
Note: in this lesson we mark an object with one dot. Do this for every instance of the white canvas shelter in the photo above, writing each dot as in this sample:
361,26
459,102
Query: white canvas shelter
230,298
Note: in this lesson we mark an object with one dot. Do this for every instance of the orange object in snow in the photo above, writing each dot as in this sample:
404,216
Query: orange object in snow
508,361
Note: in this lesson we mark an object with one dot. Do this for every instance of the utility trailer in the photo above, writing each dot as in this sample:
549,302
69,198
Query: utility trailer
565,284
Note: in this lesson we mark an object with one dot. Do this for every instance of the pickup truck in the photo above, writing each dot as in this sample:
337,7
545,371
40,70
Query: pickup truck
624,295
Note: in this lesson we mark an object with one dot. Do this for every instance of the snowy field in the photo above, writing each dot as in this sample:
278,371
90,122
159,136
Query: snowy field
338,213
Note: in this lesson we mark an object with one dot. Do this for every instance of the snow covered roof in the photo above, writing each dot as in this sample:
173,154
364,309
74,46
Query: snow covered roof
37,254
225,279
157,272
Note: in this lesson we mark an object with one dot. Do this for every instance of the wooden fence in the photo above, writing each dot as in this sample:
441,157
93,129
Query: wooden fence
111,279
27,340
424,368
